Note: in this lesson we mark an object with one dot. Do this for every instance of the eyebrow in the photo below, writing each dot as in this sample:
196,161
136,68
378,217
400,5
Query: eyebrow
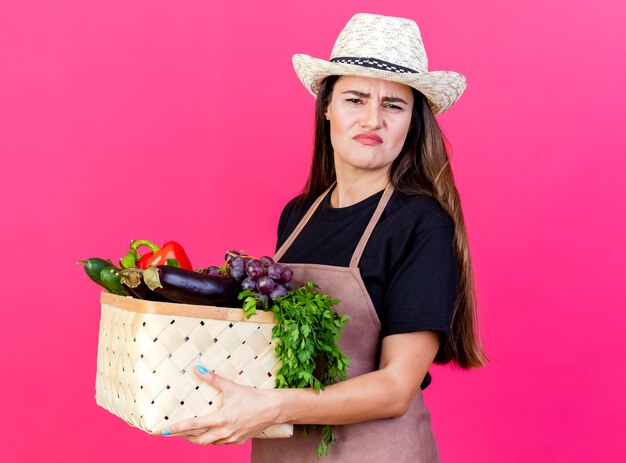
388,99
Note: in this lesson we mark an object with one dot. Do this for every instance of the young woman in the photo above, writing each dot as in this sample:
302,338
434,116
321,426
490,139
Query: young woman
380,227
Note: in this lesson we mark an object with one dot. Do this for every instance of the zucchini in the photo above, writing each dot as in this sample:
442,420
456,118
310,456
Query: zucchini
111,280
93,267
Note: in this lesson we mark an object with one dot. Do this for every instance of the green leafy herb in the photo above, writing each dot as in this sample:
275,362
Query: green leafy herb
308,330
251,302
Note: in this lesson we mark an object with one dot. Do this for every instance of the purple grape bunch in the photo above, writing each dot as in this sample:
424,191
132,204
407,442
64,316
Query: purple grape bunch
268,279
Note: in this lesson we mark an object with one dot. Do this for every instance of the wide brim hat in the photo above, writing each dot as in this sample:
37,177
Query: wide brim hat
383,47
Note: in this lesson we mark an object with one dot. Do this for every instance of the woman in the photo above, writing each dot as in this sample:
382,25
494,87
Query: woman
379,227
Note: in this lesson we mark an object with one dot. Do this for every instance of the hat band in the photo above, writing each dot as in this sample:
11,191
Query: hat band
374,63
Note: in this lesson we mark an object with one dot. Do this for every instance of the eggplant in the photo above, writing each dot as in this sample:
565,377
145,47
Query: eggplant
132,280
189,287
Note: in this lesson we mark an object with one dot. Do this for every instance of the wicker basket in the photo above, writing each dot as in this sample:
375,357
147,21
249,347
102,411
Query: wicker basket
147,352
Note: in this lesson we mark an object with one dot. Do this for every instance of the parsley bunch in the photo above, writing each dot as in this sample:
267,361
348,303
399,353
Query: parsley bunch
308,330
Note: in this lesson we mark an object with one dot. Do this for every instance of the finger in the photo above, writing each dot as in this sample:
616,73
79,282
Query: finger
196,425
208,438
213,379
229,442
191,432
193,440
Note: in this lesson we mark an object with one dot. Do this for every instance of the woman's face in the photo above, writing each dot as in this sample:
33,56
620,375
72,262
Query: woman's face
369,122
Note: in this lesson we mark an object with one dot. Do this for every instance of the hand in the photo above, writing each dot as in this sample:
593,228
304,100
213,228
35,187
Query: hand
246,412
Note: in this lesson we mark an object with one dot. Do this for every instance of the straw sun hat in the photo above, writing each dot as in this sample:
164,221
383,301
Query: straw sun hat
387,48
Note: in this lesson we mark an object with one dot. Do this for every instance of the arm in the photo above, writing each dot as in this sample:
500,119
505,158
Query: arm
384,393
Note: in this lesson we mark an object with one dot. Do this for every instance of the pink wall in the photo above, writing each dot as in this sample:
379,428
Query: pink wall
185,120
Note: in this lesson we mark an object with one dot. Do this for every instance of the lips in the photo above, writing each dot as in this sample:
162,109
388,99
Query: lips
369,139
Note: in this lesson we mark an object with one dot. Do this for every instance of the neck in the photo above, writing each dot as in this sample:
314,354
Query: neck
352,189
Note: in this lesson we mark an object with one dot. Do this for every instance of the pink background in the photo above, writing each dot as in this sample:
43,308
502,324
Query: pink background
185,120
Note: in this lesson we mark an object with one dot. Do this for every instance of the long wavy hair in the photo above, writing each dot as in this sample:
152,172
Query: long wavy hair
423,168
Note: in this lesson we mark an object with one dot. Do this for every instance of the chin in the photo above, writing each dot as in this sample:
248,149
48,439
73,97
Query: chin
370,167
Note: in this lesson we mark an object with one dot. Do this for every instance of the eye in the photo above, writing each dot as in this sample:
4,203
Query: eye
393,107
354,100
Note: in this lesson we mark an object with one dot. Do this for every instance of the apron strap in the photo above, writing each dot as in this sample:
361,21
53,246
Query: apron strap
358,252
279,254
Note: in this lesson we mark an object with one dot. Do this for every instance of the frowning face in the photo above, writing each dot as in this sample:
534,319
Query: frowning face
369,121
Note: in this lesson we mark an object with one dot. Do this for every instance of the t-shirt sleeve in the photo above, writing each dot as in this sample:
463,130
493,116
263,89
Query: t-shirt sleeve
282,223
289,218
423,285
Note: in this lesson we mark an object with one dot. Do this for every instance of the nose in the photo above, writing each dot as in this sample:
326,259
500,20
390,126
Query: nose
371,118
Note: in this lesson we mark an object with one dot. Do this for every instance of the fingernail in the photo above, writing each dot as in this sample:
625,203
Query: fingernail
201,369
166,432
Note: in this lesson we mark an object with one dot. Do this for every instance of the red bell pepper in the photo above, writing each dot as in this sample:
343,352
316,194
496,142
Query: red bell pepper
171,253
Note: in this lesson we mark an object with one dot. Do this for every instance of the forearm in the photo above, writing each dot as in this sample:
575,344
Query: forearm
367,397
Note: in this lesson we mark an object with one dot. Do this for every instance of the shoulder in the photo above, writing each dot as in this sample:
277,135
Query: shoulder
417,212
295,208
290,216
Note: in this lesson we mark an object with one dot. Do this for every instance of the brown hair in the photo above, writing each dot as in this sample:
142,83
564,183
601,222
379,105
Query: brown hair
421,168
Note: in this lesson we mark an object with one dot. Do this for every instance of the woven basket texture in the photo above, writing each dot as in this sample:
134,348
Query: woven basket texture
146,361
